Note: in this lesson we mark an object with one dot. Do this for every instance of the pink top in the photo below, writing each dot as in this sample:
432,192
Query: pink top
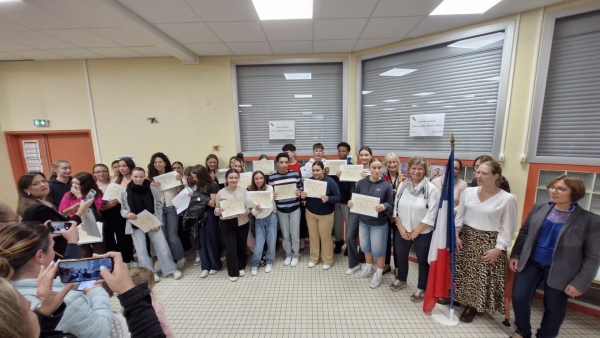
162,318
67,202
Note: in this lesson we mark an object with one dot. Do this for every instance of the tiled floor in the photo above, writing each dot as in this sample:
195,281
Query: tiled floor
303,302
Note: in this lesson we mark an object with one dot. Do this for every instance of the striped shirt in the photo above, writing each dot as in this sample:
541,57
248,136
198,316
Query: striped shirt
291,204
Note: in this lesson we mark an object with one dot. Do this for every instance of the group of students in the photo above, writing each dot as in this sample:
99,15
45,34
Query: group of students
485,217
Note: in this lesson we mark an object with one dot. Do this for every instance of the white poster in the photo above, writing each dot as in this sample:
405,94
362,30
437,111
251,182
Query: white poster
282,130
31,151
427,125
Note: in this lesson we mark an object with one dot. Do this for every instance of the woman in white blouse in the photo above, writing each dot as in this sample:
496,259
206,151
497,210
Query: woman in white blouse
485,223
415,209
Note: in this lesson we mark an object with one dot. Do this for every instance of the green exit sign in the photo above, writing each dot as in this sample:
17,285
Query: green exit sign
41,123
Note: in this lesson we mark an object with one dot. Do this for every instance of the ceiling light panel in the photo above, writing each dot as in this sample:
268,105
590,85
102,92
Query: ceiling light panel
454,7
284,10
298,76
479,41
398,72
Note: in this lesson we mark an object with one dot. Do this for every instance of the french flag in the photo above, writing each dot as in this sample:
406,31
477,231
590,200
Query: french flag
441,251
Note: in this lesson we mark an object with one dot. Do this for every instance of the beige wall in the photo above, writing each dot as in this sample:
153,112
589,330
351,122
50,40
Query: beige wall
125,92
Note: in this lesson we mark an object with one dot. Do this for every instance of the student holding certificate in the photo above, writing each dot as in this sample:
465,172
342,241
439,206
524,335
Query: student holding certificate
341,212
365,154
265,224
236,226
212,164
373,231
319,216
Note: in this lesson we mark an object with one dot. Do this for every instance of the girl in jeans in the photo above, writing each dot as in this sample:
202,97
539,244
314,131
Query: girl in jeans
373,231
140,196
265,225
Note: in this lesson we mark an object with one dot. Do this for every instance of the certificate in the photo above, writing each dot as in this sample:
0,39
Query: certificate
364,205
351,173
221,176
145,221
245,180
285,191
315,188
93,236
113,192
232,207
262,198
266,166
167,181
334,165
182,201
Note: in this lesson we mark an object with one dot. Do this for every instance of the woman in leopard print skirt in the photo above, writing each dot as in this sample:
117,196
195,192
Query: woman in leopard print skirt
485,223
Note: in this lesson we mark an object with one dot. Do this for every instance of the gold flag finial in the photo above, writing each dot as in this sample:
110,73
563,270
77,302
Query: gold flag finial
452,141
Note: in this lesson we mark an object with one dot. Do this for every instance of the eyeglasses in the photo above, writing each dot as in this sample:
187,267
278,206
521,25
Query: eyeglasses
559,189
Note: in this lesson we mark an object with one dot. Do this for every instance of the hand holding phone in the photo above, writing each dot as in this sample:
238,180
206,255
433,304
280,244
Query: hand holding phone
119,280
91,194
57,226
81,270
51,300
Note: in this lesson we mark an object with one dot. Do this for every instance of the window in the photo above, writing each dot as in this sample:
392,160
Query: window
591,200
310,95
464,78
566,111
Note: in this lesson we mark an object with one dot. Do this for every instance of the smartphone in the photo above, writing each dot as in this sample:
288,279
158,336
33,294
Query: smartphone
90,195
81,270
56,226
85,285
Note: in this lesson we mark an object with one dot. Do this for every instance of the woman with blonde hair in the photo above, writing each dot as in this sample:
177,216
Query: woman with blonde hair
393,176
60,181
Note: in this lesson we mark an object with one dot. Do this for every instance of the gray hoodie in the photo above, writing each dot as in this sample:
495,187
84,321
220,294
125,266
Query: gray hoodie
381,189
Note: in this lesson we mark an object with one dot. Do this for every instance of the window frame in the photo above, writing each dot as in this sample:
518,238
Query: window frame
279,61
505,86
539,92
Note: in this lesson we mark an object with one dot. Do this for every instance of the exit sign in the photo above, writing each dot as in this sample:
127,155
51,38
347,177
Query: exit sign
41,123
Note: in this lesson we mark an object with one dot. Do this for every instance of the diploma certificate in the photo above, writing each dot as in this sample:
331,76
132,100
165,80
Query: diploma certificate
266,166
315,188
351,173
145,221
285,191
245,180
221,176
364,205
168,181
113,192
334,165
262,198
182,201
232,207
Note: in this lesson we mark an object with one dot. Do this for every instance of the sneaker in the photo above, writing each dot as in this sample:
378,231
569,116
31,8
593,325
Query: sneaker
157,267
294,262
364,272
242,273
418,296
263,261
397,285
287,261
204,274
177,274
326,267
233,279
181,263
338,246
311,265
254,271
133,265
269,268
156,278
375,281
351,271
212,272
197,261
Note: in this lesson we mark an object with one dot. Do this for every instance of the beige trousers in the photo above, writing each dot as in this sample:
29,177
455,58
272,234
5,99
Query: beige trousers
319,232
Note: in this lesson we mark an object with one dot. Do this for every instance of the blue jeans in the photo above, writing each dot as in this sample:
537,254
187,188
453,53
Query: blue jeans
170,222
373,239
210,251
266,229
290,229
555,301
160,247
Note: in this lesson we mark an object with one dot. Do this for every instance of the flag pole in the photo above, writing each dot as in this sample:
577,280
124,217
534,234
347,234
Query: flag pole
452,249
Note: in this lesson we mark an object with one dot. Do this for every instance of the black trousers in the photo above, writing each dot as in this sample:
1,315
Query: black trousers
236,237
402,248
114,226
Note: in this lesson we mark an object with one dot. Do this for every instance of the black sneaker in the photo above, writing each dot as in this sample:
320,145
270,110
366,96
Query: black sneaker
263,261
338,247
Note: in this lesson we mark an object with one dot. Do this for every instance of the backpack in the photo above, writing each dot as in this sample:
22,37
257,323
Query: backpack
194,217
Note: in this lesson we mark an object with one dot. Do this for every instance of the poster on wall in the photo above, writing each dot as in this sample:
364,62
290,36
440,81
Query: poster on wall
437,170
427,125
31,153
282,130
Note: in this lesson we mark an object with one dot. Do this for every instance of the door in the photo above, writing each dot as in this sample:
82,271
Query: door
75,148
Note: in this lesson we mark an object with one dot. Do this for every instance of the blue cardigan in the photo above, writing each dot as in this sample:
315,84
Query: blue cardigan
316,205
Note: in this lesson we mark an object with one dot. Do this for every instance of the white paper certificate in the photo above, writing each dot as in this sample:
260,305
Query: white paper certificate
168,180
262,198
145,221
245,180
113,192
351,173
182,201
221,176
285,191
232,207
364,205
266,166
334,165
315,188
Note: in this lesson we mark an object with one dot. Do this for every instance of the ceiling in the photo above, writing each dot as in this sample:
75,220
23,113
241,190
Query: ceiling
91,29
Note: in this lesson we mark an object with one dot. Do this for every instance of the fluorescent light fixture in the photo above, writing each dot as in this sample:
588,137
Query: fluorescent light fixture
468,95
369,105
495,78
245,105
298,76
423,94
479,41
436,101
389,108
307,113
303,96
365,92
393,100
454,7
491,101
398,72
284,10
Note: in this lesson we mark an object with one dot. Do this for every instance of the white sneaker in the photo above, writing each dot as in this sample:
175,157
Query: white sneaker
156,278
204,274
177,274
157,267
375,281
294,262
197,261
287,261
181,263
212,272
233,279
351,271
133,265
326,267
254,271
242,273
364,272
269,268
311,265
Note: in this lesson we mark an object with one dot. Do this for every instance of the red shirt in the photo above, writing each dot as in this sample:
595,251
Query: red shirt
295,167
